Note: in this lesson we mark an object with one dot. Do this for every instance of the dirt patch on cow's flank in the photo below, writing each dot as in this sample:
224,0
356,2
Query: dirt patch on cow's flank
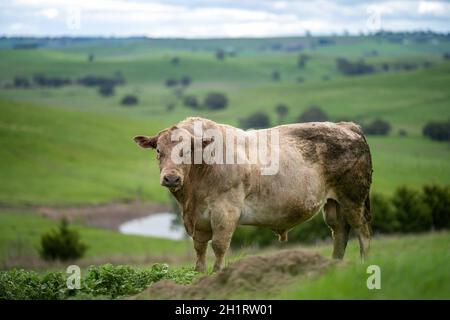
258,275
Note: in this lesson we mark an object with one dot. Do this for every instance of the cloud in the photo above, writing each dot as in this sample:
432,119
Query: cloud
219,18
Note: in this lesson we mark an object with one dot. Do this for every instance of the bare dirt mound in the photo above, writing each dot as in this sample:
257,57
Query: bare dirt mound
255,274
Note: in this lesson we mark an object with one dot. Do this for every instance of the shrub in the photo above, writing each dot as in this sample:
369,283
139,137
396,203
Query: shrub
438,200
63,244
129,100
384,219
171,82
174,61
377,127
215,101
257,120
275,75
185,81
412,212
281,110
220,54
191,101
106,90
313,114
353,68
21,82
439,131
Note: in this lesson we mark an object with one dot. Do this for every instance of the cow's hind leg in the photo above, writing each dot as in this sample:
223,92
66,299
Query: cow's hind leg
358,219
200,245
339,227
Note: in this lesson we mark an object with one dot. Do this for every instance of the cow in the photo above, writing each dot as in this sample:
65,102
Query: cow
323,166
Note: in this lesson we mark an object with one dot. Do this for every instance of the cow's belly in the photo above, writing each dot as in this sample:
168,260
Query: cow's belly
282,215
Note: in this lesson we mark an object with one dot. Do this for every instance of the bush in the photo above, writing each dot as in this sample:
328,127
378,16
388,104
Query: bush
377,127
275,75
353,68
129,100
63,244
313,114
439,131
185,81
257,120
191,101
413,214
281,110
384,219
106,90
171,82
215,101
174,61
220,54
438,200
302,59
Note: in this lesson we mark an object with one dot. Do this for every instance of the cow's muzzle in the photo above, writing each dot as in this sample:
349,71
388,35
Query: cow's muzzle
171,181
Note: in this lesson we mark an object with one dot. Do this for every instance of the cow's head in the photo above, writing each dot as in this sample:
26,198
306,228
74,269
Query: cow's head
172,173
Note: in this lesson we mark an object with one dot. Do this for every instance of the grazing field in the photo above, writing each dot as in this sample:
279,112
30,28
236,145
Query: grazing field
70,146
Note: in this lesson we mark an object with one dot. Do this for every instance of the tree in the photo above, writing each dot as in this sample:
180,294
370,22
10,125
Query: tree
215,101
275,75
353,68
384,216
301,61
413,214
185,81
191,101
313,114
220,54
438,199
91,57
439,131
175,61
63,244
377,127
257,120
129,100
281,110
171,82
106,90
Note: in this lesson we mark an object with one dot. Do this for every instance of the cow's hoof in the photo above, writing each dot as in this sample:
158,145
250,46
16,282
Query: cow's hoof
200,268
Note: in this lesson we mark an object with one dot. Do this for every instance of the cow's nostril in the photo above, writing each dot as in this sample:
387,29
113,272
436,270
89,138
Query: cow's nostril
177,179
166,179
170,180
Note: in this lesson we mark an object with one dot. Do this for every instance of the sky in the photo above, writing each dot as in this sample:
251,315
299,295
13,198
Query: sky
218,18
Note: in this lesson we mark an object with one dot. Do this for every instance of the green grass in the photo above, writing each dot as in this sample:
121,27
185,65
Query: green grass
412,267
25,230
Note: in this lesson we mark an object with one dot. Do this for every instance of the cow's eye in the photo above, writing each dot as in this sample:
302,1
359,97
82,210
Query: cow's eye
181,152
157,151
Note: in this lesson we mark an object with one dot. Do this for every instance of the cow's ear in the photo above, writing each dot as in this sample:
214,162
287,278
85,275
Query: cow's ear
146,142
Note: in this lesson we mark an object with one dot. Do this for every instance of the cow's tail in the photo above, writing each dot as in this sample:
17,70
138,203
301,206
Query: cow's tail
367,213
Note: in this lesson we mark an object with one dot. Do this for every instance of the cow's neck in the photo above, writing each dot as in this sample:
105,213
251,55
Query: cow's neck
187,196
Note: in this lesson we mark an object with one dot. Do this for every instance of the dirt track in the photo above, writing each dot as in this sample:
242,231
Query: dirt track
109,216
255,274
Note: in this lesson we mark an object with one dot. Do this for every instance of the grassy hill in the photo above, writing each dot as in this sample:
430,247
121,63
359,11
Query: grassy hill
72,146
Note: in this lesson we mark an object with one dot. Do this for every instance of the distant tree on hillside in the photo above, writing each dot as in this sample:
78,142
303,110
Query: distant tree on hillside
275,75
91,57
175,61
129,100
281,110
220,54
106,90
313,114
302,59
215,101
171,82
377,127
439,131
21,82
185,81
191,101
257,120
353,68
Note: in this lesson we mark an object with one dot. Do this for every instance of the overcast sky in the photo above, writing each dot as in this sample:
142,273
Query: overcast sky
217,18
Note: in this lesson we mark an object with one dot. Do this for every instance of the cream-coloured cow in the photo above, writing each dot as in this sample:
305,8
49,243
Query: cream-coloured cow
322,165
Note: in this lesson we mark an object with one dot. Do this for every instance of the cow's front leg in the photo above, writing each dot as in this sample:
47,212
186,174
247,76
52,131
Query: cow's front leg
201,239
223,224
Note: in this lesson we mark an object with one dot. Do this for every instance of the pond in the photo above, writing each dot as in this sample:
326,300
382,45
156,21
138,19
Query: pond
155,225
